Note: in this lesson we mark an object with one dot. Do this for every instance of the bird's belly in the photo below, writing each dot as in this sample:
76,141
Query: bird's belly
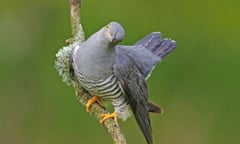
107,89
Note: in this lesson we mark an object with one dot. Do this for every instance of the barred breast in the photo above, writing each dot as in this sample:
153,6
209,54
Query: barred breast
107,89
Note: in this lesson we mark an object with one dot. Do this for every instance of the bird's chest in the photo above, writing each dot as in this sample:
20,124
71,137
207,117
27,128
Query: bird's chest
96,65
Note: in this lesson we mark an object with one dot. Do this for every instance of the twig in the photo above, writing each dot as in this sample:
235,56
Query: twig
77,31
82,95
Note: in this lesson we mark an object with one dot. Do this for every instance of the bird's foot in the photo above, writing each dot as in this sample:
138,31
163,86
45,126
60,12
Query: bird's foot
91,101
107,116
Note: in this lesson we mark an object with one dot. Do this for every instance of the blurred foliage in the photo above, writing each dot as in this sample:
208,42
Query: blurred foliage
198,84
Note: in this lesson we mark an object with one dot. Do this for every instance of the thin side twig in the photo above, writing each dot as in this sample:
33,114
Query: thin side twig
82,95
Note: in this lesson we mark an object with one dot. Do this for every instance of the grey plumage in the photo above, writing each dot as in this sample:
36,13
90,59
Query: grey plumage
150,50
132,81
118,73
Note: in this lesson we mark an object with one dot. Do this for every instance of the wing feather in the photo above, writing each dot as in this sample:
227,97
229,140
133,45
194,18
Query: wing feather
132,81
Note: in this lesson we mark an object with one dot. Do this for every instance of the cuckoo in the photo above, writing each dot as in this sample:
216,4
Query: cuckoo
118,73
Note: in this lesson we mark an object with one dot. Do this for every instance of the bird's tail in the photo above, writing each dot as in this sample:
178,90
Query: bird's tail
158,46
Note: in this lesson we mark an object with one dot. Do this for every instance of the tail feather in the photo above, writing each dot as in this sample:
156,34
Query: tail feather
158,46
166,46
150,41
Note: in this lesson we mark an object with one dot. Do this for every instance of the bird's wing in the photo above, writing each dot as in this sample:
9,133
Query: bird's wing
132,82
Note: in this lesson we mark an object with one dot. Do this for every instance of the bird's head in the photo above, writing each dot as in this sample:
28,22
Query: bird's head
114,32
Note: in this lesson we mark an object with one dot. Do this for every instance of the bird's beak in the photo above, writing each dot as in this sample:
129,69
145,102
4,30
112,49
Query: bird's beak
115,40
111,38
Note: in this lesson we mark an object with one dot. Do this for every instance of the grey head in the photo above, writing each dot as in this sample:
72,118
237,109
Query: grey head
114,32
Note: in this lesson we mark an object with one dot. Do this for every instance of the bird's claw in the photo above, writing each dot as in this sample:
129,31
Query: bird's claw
107,116
91,101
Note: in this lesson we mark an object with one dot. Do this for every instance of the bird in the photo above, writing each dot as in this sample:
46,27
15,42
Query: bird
118,73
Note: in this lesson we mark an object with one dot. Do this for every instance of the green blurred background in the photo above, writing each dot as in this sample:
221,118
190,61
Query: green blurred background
197,85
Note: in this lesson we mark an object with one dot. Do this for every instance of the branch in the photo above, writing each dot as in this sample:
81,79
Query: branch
77,31
62,65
